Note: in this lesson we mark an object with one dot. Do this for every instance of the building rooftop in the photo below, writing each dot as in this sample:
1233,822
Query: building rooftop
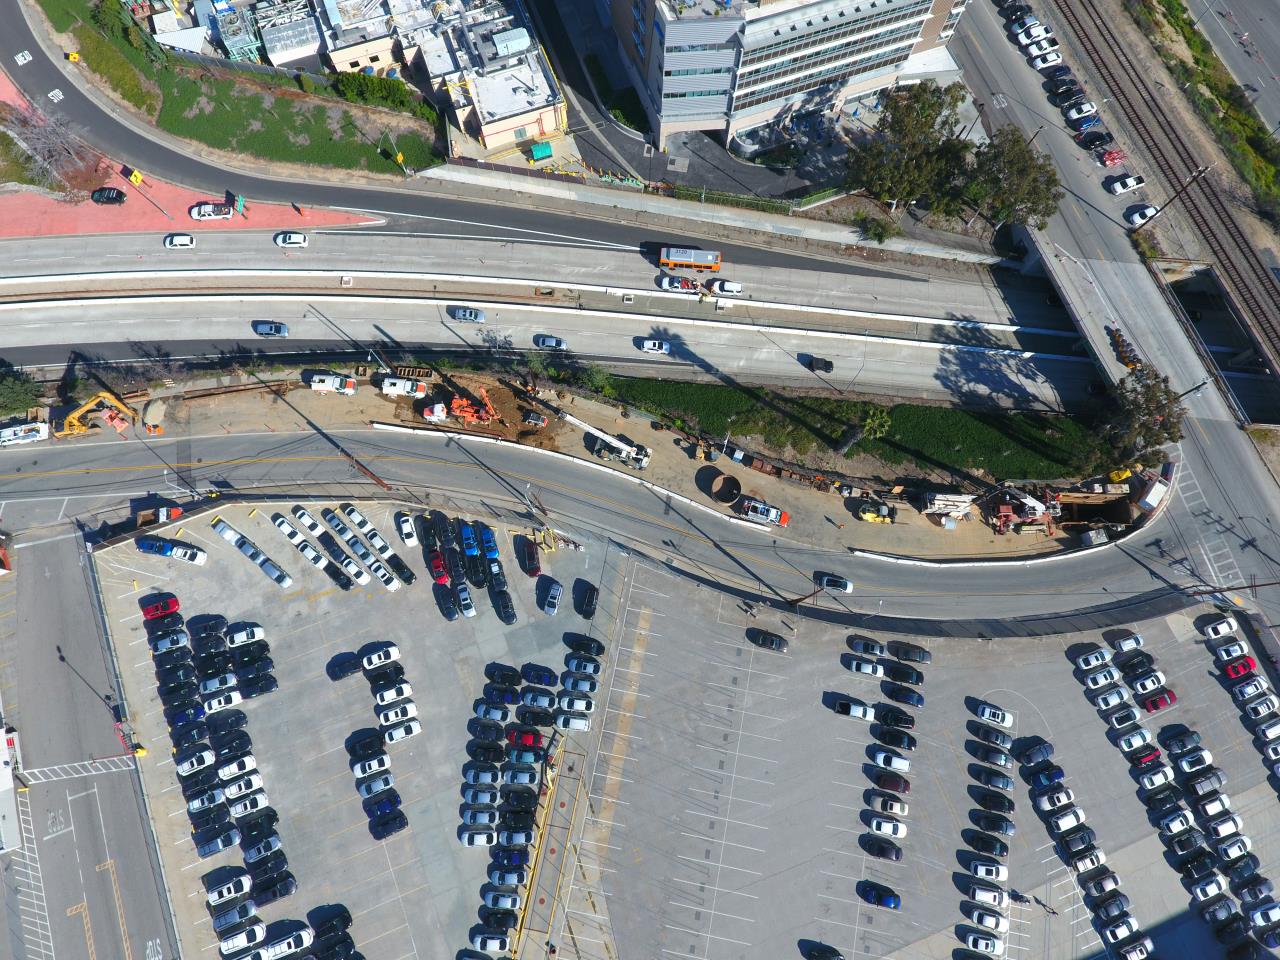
680,9
517,89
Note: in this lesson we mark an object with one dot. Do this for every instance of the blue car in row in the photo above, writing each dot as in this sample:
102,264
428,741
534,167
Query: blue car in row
467,534
155,545
489,543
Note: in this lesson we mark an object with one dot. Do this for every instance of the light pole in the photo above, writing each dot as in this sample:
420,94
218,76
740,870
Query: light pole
1036,134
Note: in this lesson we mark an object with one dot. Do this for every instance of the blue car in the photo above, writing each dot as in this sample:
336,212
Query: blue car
489,542
161,548
511,856
539,675
880,896
1088,123
385,803
1047,778
467,534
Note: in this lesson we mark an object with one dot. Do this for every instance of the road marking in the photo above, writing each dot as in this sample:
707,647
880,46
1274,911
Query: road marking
690,906
37,934
703,885
709,936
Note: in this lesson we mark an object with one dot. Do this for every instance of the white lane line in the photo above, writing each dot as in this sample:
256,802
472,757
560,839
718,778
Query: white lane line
717,913
724,866
725,843
712,816
709,936
706,886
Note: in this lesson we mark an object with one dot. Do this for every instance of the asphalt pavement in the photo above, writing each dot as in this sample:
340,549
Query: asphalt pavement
1246,36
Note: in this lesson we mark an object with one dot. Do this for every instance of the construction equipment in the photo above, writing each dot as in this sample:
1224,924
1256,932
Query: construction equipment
757,511
874,511
608,446
154,515
468,412
114,411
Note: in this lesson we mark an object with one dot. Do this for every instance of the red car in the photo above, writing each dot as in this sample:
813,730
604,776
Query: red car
893,782
532,565
1146,758
161,608
1165,698
525,738
1238,668
438,570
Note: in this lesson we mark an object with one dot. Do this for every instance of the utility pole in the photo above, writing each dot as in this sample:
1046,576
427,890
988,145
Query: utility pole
1200,172
1036,134
799,600
1190,390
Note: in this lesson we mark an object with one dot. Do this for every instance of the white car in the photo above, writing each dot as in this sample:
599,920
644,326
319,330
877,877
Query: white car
889,804
250,804
656,346
861,711
1225,827
184,551
1234,848
358,519
1130,641
205,801
544,341
1208,888
1216,805
367,768
1134,739
1042,47
250,936
283,948
243,786
249,633
401,691
1055,798
834,584
1249,688
1093,659
465,603
1067,820
384,575
500,899
230,890
888,827
1261,708
989,919
1046,61
179,241
1264,915
867,647
1026,23
390,716
481,796
404,526
222,701
238,767
1195,760
570,703
1158,777
480,817
1177,822
371,788
381,657
866,668
308,522
1149,683
1037,31
289,239
402,731
1079,112
1222,627
288,529
1122,929
211,211
989,870
313,556
478,838
993,714
1125,184
357,573
887,760
1102,678
982,943
1233,648
197,761
1139,215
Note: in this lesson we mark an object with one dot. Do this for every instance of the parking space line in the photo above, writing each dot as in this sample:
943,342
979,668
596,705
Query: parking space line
625,713
747,690
735,776
599,843
598,796
745,756
702,885
741,823
840,923
717,913
716,795
709,936
723,866
723,843
754,713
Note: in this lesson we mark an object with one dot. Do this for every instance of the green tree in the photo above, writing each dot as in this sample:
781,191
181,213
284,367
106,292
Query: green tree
18,392
1145,413
1012,183
876,423
915,148
593,377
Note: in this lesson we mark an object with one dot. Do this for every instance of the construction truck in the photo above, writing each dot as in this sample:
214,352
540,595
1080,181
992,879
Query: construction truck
403,387
155,515
757,511
114,411
333,383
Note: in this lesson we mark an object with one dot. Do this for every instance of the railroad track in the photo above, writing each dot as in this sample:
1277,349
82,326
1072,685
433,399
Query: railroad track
1246,276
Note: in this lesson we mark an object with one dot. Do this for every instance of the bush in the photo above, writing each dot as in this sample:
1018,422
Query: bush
18,392
374,91
306,84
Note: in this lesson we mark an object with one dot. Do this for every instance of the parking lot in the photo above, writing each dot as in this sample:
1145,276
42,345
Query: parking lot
417,892
728,811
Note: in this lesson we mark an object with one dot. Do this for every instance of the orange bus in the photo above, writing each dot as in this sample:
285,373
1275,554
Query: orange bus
681,258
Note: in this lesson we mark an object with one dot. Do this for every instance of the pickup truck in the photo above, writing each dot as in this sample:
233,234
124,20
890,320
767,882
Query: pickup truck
758,511
402,387
333,383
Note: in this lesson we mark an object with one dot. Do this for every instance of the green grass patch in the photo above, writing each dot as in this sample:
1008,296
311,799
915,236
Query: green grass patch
64,14
13,168
121,66
1006,445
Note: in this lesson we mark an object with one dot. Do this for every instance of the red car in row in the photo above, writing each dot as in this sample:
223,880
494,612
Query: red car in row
161,608
1241,667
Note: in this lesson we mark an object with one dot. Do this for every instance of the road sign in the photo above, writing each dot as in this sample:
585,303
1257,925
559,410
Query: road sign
135,177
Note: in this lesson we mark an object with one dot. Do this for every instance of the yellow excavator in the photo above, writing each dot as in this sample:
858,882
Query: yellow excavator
115,411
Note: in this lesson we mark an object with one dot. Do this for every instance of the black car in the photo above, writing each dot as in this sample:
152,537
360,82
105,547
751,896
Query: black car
501,919
273,863
251,687
820,365
986,843
1243,869
342,667
1197,867
386,676
202,781
1040,753
166,624
518,819
276,888
497,576
993,778
900,694
258,827
225,722
893,717
477,570
401,569
443,529
1183,742
250,653
536,717
505,674
995,823
179,673
208,643
995,802
590,596
1259,888
539,675
1161,799
902,673
256,669
387,824
457,572
501,693
1079,841
1092,139
893,737
884,849
997,738
368,744
339,947
1137,663
1057,73
235,745
188,735
487,752
1233,930
588,645
910,652
214,664
1059,87
177,691
521,799
1187,843
111,196
487,731
338,923
338,576
511,856
504,607
173,658
209,817
448,609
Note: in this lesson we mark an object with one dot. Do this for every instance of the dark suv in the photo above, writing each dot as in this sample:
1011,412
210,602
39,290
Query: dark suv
111,196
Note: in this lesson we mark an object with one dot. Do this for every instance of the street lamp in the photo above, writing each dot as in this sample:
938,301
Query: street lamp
1036,134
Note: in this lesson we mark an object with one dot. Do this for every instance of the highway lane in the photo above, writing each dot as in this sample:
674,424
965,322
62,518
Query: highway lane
1246,36
118,135
91,476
